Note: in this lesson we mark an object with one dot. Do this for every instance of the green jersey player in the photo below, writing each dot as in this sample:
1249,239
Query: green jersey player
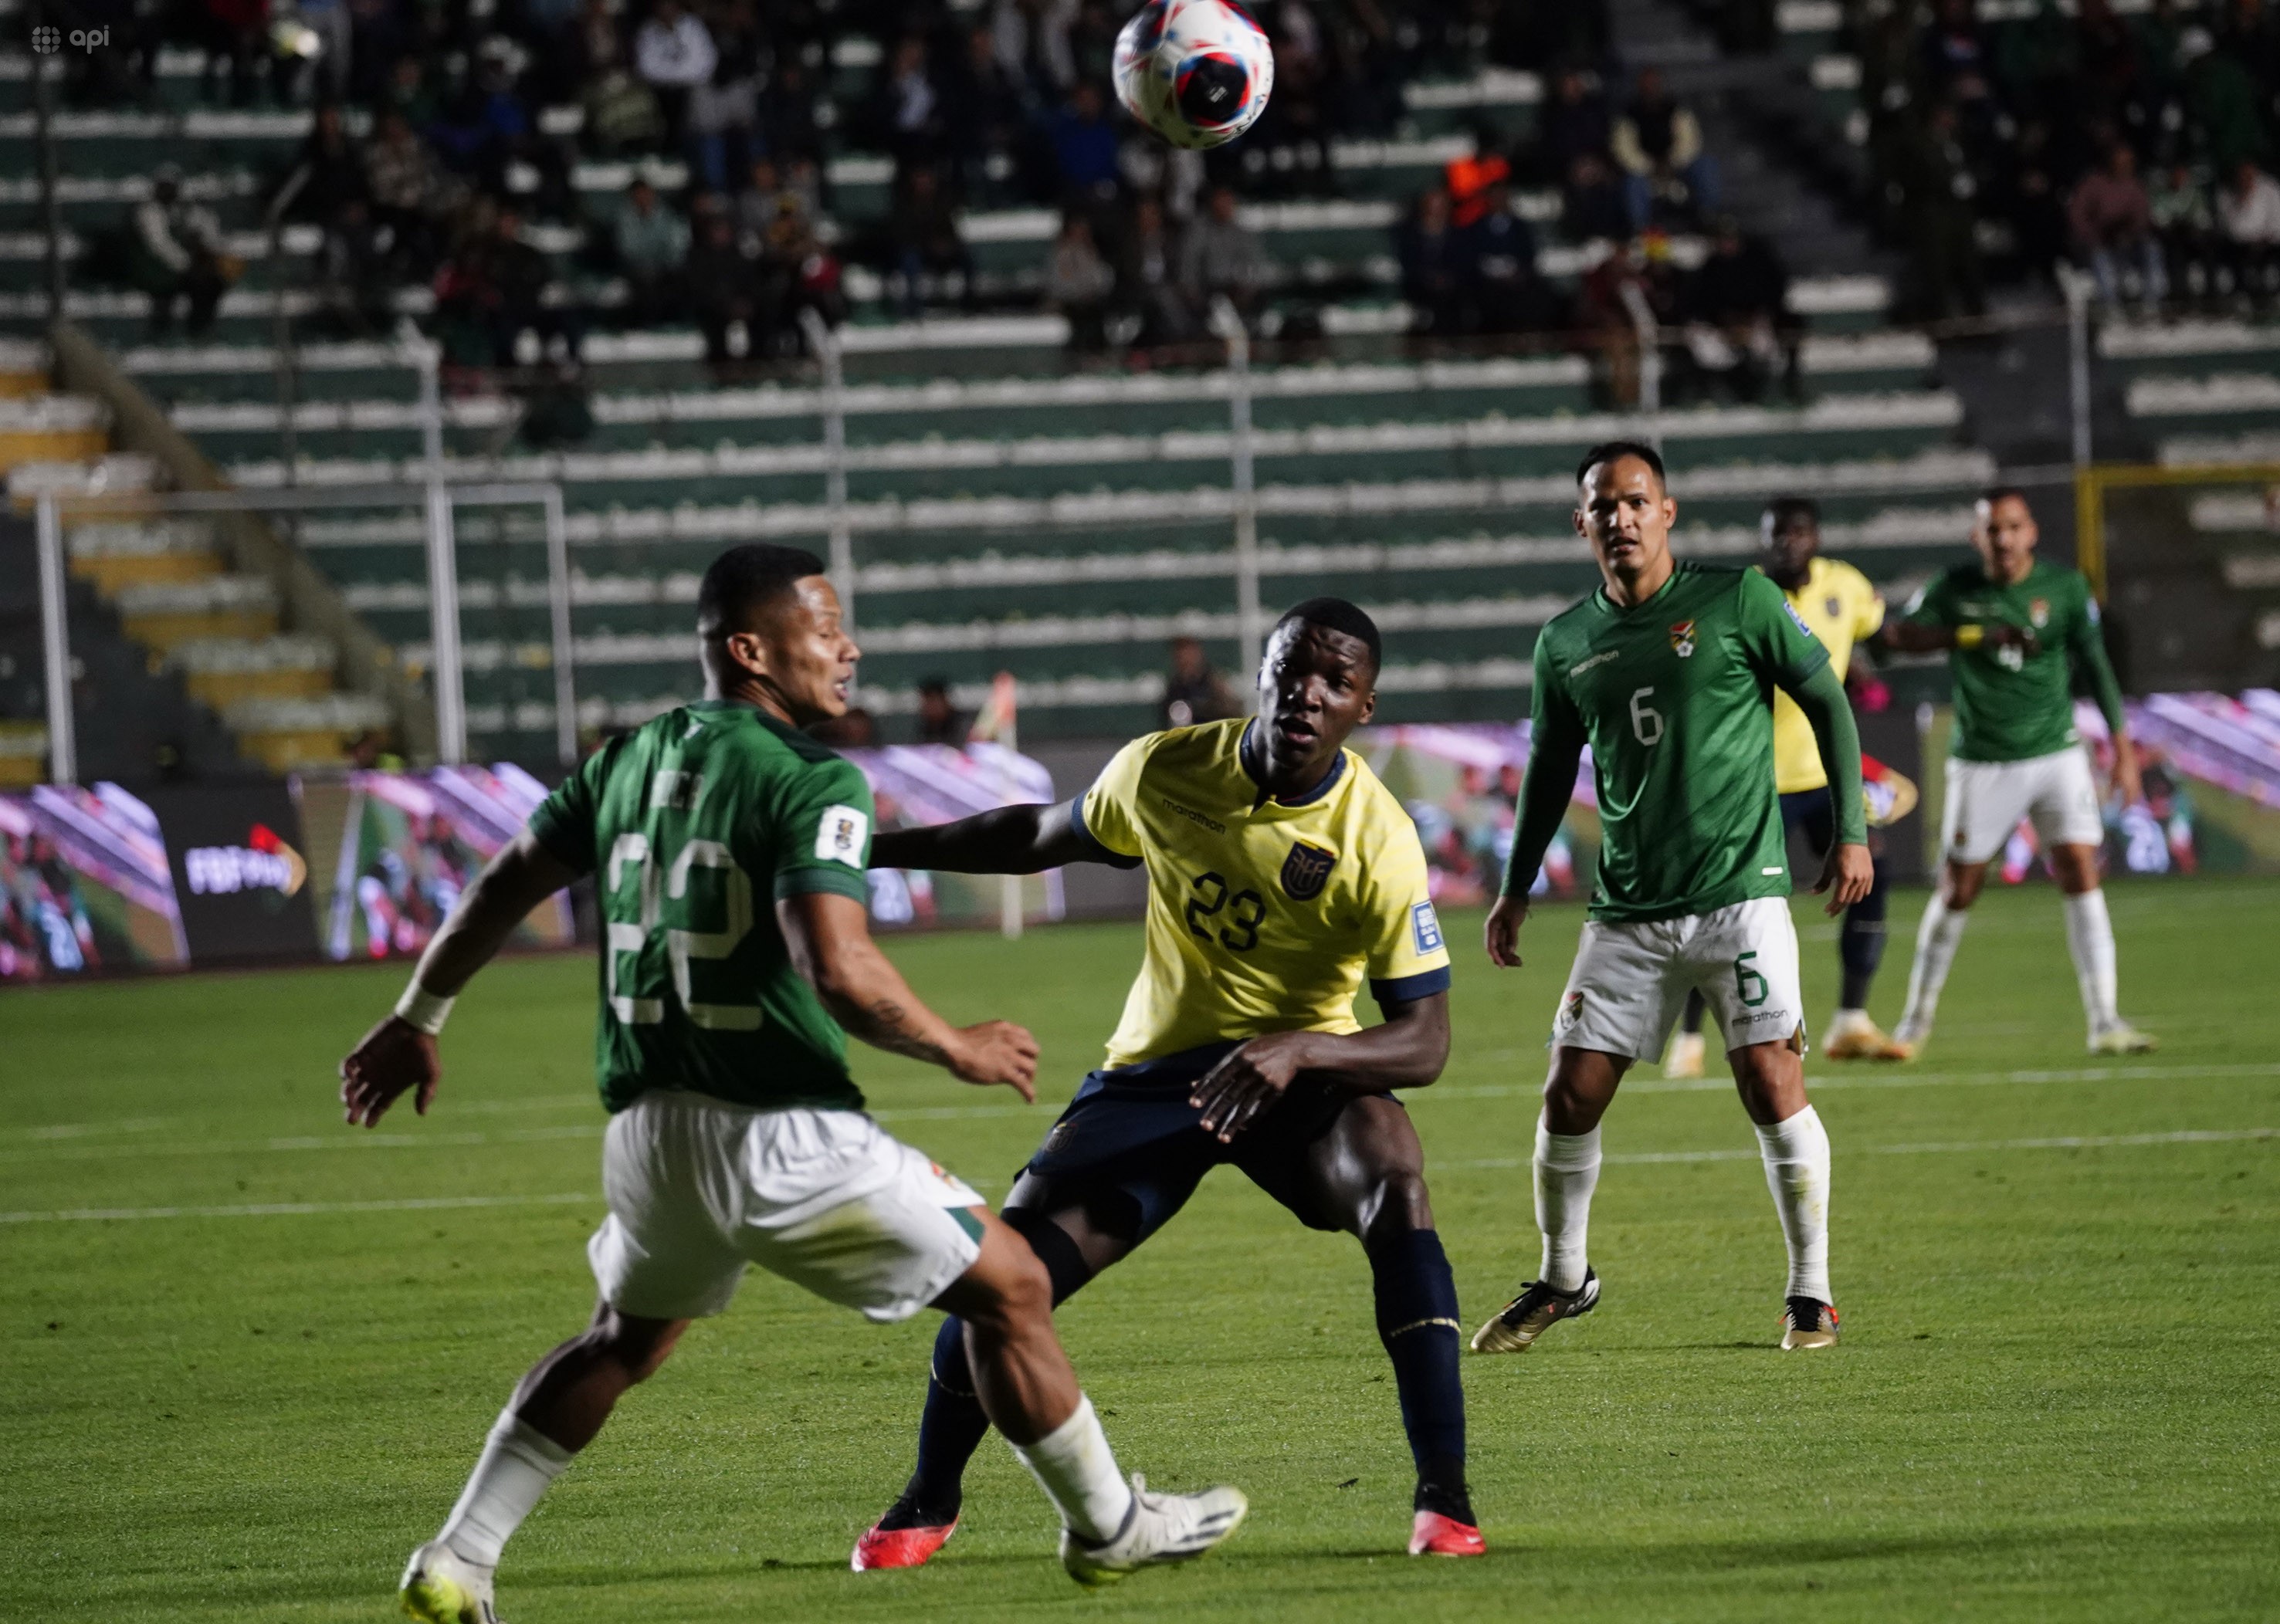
2018,631
1668,672
728,851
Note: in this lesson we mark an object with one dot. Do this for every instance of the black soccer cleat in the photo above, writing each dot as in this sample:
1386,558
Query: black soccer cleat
1526,1317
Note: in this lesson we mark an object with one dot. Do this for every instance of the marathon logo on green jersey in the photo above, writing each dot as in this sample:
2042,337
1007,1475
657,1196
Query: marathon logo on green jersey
1581,666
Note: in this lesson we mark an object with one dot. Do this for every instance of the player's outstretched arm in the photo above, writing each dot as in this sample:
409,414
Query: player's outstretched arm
1006,840
1913,636
1405,1050
1849,871
828,937
399,1053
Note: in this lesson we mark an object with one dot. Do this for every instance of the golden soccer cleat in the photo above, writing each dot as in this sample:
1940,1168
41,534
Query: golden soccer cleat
1808,1322
1527,1316
1685,1056
1864,1039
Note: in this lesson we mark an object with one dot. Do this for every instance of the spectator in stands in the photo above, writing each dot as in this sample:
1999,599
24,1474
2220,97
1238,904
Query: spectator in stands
757,205
2185,225
1593,207
506,278
984,123
798,274
1505,293
1611,306
939,722
2221,101
724,111
926,248
1658,143
1940,225
908,118
1739,332
2030,196
1079,283
674,53
353,271
2248,219
331,168
1147,280
1194,692
651,243
1953,66
1575,124
410,93
1084,146
2113,228
723,290
176,254
1433,280
788,127
327,77
235,36
1470,177
1222,258
622,113
408,194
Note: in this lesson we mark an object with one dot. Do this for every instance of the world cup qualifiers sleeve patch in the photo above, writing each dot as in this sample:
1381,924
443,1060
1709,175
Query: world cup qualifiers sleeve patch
1425,928
839,836
1799,618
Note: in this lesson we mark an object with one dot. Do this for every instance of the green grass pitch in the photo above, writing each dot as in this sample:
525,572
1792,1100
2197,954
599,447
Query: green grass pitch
2055,1399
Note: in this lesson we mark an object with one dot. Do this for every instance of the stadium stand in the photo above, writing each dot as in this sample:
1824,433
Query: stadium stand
1029,488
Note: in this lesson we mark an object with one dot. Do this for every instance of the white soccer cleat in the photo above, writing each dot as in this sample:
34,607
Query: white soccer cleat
1160,1528
2123,1038
441,1587
1685,1057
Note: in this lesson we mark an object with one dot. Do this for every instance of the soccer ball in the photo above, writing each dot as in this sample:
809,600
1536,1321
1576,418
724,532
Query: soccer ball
1197,72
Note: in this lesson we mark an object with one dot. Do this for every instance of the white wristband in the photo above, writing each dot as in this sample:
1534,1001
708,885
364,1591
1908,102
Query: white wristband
423,1009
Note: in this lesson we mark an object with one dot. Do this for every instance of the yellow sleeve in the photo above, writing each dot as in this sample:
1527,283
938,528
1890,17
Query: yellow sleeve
1867,607
1407,957
1109,811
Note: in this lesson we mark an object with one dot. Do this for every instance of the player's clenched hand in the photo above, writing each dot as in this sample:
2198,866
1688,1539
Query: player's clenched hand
1846,874
1502,932
2002,635
395,1055
1250,1081
997,1052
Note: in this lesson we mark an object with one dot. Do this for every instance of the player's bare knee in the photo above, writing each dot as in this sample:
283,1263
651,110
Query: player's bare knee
639,1347
1396,1203
1015,1294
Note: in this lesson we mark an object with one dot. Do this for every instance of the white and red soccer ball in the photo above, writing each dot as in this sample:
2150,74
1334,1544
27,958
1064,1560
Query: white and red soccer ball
1197,72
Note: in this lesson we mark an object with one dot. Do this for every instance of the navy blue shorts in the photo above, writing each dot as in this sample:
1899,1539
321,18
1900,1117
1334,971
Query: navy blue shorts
1811,811
1129,1150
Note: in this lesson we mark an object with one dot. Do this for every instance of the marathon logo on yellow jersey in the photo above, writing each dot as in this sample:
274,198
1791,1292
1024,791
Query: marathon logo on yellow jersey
1307,870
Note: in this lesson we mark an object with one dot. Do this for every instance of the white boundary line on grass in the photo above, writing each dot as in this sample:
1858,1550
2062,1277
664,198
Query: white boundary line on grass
307,1209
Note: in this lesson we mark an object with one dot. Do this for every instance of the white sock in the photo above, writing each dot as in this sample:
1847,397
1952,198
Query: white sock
1075,1468
518,1462
2090,938
1796,1172
1566,1173
1937,940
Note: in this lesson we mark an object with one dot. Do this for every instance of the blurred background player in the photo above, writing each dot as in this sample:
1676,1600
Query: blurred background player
1663,673
2019,630
1842,609
737,1135
1281,873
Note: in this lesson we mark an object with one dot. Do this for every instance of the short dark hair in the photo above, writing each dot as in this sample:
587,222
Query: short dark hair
746,580
1609,450
1337,615
1997,493
1781,510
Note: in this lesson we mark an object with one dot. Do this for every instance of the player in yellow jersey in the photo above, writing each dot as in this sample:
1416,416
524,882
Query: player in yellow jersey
1280,874
1839,605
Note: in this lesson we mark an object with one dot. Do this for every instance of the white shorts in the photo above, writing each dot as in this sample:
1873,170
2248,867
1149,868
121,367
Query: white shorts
1986,799
1630,980
699,1187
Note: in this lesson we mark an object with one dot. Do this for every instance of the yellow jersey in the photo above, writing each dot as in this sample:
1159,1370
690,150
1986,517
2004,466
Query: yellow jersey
1838,606
1264,915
